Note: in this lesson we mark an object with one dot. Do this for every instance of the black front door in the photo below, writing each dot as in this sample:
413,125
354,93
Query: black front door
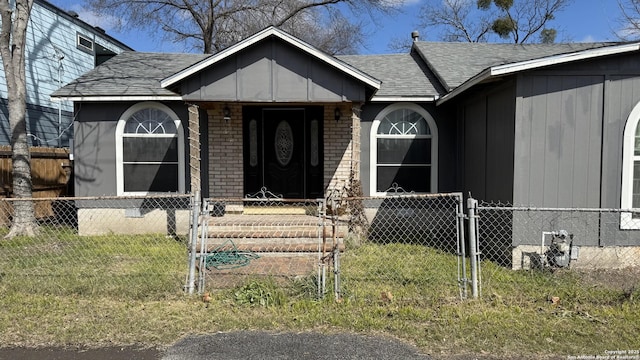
283,151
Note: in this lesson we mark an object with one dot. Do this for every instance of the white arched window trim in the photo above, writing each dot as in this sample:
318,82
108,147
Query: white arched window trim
119,136
373,148
627,221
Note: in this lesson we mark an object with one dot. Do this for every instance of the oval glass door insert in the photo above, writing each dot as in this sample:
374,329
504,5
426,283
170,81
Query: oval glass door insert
284,143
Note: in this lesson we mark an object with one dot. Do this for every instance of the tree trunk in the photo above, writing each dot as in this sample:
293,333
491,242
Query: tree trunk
24,220
12,48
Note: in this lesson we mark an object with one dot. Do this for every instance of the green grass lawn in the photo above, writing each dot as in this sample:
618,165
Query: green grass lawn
128,290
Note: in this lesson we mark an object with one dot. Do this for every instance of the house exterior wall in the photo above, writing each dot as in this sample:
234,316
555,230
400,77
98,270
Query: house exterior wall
486,118
52,60
272,71
94,147
95,175
570,123
558,140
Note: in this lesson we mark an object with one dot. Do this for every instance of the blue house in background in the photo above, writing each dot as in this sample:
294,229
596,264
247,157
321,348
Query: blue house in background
60,48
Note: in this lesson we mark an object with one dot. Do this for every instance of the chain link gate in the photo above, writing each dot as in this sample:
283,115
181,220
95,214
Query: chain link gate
261,237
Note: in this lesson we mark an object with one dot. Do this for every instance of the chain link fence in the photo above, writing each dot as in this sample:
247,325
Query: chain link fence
401,248
126,247
404,247
556,253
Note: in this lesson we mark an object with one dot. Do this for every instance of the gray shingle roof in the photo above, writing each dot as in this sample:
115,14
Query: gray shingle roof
402,75
129,74
456,62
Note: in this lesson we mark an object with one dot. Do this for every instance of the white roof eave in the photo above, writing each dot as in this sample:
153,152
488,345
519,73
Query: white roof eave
117,98
430,98
508,69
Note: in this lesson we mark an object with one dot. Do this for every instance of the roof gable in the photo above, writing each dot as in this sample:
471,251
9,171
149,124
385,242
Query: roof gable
271,70
261,36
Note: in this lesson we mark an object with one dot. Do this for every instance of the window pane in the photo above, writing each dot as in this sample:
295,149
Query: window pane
150,121
149,149
636,185
404,151
416,179
151,177
403,122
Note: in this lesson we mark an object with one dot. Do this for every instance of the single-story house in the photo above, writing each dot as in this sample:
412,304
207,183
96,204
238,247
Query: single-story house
549,125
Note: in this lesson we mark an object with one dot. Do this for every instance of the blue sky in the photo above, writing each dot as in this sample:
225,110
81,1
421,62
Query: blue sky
583,21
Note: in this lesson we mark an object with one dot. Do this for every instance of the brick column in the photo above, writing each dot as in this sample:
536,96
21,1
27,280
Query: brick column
338,146
226,171
355,141
194,148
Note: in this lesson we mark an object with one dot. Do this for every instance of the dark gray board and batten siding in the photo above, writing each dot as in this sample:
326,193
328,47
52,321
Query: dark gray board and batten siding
558,140
487,119
570,124
272,71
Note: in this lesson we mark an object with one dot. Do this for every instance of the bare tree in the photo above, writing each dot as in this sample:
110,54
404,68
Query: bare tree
12,48
459,20
629,19
213,25
481,20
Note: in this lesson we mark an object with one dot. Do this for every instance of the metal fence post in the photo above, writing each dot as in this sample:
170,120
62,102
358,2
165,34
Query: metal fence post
472,205
195,212
322,212
462,257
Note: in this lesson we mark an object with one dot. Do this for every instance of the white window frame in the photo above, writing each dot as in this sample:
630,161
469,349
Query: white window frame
627,222
83,47
119,156
373,144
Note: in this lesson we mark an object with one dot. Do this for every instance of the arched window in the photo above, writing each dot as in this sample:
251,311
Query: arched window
404,150
630,194
149,151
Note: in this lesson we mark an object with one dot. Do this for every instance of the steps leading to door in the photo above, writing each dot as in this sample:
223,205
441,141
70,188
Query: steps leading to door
269,233
276,245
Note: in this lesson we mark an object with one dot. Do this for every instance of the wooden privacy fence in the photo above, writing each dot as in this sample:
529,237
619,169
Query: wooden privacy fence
50,171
